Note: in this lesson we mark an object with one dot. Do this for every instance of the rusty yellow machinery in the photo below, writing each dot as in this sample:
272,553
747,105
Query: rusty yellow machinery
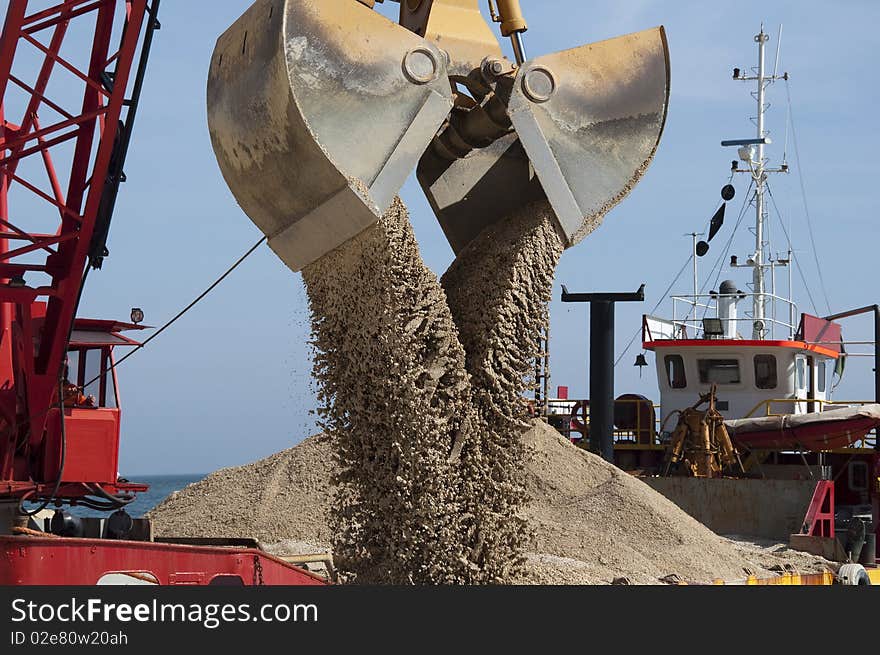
700,441
319,110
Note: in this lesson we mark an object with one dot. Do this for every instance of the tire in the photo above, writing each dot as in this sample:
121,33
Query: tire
853,575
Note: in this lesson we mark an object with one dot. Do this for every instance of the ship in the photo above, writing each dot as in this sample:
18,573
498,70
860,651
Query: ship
770,454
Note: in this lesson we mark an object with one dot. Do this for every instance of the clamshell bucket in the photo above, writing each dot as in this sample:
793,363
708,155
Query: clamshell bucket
318,111
585,125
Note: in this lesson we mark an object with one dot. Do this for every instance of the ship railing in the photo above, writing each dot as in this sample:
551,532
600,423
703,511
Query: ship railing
688,312
781,406
571,417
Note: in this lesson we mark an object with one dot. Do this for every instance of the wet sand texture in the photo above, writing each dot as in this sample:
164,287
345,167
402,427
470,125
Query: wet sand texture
498,289
394,396
592,522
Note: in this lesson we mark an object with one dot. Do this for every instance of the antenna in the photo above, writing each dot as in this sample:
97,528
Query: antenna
778,47
751,153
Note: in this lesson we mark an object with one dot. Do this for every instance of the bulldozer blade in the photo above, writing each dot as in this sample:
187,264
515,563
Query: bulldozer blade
318,111
586,124
590,120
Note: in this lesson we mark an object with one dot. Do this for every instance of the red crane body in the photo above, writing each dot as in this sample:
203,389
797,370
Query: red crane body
65,127
74,136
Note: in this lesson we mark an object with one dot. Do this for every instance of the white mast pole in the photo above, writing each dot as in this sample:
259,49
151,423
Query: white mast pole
773,293
696,278
790,290
759,327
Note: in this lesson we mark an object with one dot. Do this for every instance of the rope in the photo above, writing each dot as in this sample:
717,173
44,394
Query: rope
28,532
796,262
797,156
183,311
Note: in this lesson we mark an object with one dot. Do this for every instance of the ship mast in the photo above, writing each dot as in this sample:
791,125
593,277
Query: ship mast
759,325
752,153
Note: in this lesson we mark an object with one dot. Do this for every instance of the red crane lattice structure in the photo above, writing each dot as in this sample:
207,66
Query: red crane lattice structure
73,121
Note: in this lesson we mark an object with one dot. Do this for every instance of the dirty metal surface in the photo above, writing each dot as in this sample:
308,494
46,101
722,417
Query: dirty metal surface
590,120
311,102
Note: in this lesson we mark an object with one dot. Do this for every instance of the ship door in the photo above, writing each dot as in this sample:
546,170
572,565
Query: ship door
811,392
800,383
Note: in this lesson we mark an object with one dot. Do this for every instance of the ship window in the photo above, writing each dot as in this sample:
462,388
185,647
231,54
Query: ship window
109,399
92,374
719,371
821,372
800,369
675,371
765,371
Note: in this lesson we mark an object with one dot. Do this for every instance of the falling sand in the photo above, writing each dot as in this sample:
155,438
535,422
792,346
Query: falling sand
423,397
394,397
498,289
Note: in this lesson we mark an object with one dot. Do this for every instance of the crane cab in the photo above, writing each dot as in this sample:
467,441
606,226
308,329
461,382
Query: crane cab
92,415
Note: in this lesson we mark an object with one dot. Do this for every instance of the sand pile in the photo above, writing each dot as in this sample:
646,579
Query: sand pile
592,522
609,524
285,496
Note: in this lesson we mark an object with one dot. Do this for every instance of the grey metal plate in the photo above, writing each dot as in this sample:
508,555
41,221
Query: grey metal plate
308,104
595,136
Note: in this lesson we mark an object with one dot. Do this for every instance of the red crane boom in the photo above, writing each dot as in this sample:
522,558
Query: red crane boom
64,134
63,137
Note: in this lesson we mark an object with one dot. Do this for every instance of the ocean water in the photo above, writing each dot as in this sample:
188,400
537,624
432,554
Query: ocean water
161,486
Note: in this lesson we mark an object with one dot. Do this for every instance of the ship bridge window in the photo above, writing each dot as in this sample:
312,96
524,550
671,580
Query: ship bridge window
800,365
821,373
765,372
675,371
718,371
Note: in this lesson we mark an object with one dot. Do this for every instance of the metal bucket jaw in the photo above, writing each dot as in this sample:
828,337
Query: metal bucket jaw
590,120
585,125
320,109
318,112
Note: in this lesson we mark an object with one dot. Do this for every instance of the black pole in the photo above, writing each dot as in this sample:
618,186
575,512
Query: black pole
856,312
877,361
602,363
602,378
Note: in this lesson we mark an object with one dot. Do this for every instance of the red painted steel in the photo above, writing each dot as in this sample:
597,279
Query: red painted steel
820,331
819,521
739,343
39,561
66,131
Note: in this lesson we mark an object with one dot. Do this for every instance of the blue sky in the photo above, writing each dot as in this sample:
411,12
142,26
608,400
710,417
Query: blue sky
230,382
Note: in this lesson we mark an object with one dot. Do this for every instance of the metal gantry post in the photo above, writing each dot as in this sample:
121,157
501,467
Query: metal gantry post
877,363
602,363
694,236
602,377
